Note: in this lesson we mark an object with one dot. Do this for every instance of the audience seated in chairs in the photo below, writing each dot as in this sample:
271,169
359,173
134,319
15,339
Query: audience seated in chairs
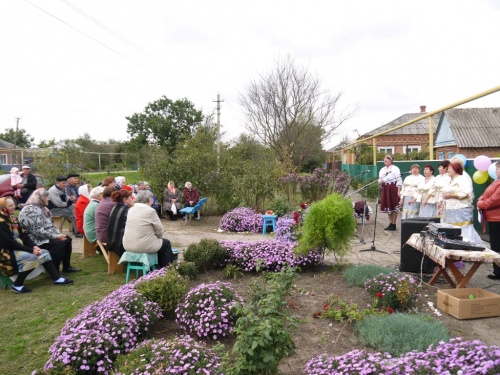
81,204
171,201
191,197
102,214
156,204
89,214
117,220
144,230
61,204
36,219
23,255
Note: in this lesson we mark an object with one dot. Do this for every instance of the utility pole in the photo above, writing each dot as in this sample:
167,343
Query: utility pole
218,101
14,159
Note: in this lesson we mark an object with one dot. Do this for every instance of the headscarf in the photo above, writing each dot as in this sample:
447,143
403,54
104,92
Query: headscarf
3,207
84,190
119,181
14,224
95,192
37,198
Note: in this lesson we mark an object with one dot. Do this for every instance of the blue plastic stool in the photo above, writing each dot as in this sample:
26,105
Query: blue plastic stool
176,254
268,220
5,281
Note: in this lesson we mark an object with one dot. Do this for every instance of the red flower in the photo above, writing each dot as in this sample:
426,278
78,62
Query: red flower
296,217
379,295
390,310
325,306
303,205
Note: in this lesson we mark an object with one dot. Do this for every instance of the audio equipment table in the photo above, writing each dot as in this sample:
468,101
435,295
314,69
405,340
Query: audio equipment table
447,257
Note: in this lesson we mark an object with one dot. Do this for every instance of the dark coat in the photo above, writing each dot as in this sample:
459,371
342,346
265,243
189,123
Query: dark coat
116,228
191,195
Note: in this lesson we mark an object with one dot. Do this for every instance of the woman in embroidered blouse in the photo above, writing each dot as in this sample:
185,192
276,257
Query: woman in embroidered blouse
409,193
388,178
427,206
457,207
435,192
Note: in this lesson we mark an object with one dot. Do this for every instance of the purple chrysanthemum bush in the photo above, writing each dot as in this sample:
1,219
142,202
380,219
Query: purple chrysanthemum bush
445,358
181,355
285,228
207,311
269,255
90,342
241,219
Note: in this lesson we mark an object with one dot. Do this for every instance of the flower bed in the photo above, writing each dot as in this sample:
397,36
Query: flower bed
91,341
207,310
454,357
241,219
285,228
393,291
269,255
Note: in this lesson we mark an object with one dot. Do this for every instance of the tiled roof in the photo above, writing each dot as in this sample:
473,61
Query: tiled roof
419,127
475,127
5,144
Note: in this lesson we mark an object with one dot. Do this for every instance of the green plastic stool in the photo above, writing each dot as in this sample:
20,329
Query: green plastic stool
5,281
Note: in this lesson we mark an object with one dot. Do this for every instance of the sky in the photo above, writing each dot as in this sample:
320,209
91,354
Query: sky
69,67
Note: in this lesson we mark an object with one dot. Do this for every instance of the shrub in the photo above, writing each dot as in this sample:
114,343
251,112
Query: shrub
264,328
206,255
285,229
400,333
329,225
395,290
269,255
357,275
187,269
90,342
280,205
207,311
166,290
181,355
335,308
241,219
232,271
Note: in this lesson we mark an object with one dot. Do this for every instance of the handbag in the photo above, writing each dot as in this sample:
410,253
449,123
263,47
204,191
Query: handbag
174,209
8,264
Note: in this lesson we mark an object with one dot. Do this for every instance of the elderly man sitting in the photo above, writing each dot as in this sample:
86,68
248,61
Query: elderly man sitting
60,204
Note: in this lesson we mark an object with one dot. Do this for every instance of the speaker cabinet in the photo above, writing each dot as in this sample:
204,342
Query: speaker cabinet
411,259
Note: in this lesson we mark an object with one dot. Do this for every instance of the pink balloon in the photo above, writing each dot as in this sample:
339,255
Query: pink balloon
482,163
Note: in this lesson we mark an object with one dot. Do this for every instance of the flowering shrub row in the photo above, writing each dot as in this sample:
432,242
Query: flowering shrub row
454,357
181,355
207,310
269,255
393,291
90,342
241,219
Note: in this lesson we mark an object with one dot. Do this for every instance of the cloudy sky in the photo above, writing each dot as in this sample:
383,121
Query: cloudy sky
71,66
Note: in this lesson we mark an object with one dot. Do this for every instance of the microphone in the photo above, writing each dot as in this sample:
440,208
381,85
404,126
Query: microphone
405,173
367,171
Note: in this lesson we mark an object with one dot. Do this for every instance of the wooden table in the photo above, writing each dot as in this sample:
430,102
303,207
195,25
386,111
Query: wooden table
446,258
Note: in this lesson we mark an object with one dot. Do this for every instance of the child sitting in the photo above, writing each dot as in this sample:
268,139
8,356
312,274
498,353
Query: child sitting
15,178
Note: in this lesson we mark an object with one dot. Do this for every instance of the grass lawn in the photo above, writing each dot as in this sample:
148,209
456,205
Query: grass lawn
31,322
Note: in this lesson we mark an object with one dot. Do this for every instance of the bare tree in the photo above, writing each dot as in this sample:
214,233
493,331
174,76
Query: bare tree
283,107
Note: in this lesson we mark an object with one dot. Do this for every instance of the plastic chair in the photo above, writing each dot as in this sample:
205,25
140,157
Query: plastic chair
268,220
139,262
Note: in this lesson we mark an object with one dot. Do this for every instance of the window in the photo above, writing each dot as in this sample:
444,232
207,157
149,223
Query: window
451,154
407,149
3,159
441,155
386,150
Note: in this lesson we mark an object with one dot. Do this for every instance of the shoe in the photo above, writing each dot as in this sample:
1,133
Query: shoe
493,277
23,290
78,235
391,227
197,219
71,269
65,282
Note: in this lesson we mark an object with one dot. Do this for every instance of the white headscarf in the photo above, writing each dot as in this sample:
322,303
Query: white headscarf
120,180
84,190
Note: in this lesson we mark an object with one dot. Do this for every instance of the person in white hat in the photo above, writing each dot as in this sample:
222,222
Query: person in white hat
28,184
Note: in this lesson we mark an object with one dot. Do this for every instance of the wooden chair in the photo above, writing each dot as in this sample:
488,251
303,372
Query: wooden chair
89,248
112,258
59,222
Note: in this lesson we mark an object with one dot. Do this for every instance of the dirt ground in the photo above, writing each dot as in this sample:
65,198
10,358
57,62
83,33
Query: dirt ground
317,336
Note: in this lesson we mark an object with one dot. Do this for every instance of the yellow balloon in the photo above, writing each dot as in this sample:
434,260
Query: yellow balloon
480,177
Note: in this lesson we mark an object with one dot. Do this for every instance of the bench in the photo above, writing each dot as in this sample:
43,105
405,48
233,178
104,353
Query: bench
59,222
112,258
188,211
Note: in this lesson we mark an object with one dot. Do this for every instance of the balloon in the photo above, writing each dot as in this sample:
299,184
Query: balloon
464,159
480,177
492,171
482,163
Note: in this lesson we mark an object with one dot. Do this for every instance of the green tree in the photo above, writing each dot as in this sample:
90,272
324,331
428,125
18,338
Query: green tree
47,143
22,139
164,123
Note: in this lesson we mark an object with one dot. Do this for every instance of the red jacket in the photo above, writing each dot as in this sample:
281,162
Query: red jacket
80,206
191,195
489,203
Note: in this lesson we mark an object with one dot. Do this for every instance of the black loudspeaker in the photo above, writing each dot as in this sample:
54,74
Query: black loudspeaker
411,259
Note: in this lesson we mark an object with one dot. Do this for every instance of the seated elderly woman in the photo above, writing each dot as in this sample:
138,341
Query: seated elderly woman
144,231
171,200
117,219
36,219
24,255
89,214
81,204
102,214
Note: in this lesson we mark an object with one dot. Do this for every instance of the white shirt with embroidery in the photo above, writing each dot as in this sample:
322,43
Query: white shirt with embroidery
410,185
436,191
460,186
423,190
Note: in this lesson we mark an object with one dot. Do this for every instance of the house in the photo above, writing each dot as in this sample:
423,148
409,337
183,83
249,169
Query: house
468,131
410,138
6,153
